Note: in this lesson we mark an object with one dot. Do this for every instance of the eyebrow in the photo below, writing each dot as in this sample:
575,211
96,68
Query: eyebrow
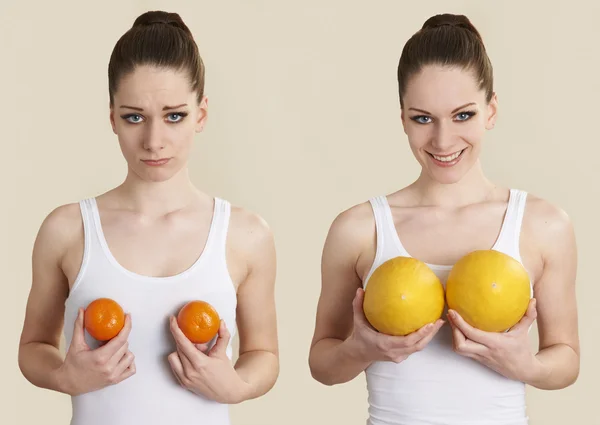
455,110
166,108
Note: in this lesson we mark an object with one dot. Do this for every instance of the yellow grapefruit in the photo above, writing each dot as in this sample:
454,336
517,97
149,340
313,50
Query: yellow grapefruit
489,289
402,295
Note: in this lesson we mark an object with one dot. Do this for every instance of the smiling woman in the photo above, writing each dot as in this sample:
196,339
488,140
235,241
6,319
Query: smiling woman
153,244
448,372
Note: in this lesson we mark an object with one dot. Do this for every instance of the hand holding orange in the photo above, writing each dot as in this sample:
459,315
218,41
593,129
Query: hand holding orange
104,318
199,321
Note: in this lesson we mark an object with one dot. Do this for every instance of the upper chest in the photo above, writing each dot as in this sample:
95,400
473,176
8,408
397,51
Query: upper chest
170,239
442,236
151,247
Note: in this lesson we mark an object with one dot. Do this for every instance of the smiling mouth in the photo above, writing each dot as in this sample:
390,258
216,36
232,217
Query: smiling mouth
447,158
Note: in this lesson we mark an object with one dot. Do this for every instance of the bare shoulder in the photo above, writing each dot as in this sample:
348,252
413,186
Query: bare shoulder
547,222
548,239
250,247
354,222
249,230
350,242
61,227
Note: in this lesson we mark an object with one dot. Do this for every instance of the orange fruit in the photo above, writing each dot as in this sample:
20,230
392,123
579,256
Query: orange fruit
402,295
489,289
104,318
199,321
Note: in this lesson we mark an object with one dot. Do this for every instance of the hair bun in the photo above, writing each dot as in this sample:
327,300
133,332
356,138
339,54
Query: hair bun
160,17
450,20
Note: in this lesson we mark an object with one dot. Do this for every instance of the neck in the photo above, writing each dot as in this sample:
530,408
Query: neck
157,198
474,187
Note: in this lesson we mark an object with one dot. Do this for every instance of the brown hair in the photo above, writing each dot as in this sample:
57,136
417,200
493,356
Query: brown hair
446,40
160,39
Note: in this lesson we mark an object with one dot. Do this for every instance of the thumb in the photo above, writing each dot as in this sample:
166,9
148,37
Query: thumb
357,307
529,317
220,347
78,340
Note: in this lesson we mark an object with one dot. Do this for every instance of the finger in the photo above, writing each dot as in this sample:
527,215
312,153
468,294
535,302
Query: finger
357,308
464,346
112,346
220,347
469,331
78,340
416,336
422,343
187,348
203,347
528,319
125,362
187,363
177,367
118,355
129,372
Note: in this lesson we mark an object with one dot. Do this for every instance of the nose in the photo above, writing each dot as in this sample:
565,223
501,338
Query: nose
442,137
153,138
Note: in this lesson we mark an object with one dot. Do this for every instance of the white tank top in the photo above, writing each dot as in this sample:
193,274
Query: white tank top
436,386
153,395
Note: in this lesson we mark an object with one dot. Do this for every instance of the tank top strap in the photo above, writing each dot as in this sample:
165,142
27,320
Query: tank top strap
388,244
91,241
91,225
86,207
379,216
510,233
219,227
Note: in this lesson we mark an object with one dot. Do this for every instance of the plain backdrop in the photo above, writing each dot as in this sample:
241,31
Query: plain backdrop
304,122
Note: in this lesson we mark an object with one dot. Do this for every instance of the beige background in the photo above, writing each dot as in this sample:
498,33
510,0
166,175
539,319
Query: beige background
304,122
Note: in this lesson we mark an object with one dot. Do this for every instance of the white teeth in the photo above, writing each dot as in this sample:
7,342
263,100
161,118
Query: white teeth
447,158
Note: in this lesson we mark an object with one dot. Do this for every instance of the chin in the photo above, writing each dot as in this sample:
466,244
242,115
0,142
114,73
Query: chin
447,178
155,176
448,175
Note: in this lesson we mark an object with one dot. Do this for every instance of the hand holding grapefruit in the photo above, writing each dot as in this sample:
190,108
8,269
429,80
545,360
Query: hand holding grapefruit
489,289
402,295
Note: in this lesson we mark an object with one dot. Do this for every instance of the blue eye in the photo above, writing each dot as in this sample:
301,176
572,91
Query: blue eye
176,117
133,118
464,116
422,119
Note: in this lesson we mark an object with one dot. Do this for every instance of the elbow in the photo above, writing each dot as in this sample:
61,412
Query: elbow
320,378
22,362
572,377
318,374
560,376
275,375
572,374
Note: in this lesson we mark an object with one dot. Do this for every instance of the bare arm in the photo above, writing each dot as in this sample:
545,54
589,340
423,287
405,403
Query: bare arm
551,255
258,361
344,343
558,356
333,359
82,369
39,355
